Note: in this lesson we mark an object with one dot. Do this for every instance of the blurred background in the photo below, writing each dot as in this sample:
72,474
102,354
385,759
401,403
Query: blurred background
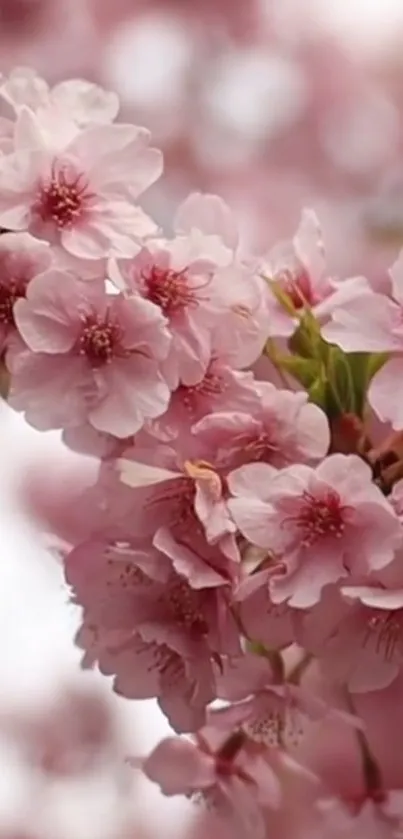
274,105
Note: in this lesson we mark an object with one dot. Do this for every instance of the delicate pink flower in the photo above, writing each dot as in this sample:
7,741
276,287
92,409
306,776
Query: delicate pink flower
157,624
238,783
92,357
283,428
299,269
322,524
79,193
21,258
179,277
237,288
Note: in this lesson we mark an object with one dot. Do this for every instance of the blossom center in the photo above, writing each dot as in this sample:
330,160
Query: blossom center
320,516
100,340
211,385
297,286
63,198
10,292
169,290
184,607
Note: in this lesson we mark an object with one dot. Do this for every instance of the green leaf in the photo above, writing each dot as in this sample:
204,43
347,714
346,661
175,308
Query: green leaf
307,340
304,370
318,392
376,361
341,382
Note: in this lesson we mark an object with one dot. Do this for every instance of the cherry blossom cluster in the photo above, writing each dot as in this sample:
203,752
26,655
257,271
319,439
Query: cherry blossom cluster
238,556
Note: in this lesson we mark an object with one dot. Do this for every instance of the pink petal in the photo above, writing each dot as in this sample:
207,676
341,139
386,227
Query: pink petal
135,392
254,518
251,480
210,214
377,598
386,393
49,319
187,563
179,767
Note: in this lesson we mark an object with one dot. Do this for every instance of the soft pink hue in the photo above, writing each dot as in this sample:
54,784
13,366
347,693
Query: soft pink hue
219,388
374,323
188,505
321,525
362,644
78,188
282,428
277,716
90,356
21,258
300,272
71,101
178,277
157,623
234,779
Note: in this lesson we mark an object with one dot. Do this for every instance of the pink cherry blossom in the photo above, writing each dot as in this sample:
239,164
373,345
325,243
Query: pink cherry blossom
283,428
21,258
79,191
300,271
157,624
237,289
236,781
178,277
323,524
91,356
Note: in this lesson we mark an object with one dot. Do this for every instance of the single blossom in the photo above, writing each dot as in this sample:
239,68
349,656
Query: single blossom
237,289
299,272
157,624
283,428
322,524
78,190
179,277
90,357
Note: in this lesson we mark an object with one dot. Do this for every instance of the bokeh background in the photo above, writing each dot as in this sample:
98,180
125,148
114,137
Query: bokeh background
274,105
